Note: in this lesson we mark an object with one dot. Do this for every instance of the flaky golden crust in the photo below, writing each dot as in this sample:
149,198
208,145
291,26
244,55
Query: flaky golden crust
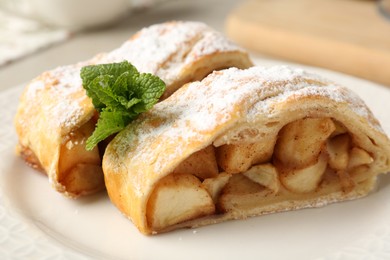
54,106
29,157
230,107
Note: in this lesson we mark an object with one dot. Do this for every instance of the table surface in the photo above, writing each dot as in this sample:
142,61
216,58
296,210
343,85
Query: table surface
84,45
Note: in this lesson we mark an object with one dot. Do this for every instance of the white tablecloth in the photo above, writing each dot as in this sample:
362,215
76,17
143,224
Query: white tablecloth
21,36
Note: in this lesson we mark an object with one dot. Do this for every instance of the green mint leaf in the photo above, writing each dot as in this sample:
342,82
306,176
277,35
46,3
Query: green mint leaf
117,69
132,102
101,93
92,94
149,89
110,122
120,86
119,92
89,73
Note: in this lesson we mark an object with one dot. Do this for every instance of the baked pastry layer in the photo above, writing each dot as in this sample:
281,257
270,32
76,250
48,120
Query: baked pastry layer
55,117
244,143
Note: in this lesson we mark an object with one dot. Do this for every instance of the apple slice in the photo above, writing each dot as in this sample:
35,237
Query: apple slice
215,185
306,179
358,157
360,173
300,142
264,174
240,193
201,164
339,129
338,151
73,150
177,198
237,158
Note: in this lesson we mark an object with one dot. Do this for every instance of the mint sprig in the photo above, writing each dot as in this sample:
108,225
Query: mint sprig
119,93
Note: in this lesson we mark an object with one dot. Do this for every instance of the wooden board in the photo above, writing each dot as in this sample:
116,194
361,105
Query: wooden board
349,36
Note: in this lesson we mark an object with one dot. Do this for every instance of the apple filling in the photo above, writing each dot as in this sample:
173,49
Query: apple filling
78,169
308,158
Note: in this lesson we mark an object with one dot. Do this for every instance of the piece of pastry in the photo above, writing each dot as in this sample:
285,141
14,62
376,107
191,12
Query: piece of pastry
243,143
55,117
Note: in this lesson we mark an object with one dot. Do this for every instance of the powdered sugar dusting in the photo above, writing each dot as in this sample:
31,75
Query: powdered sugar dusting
202,109
211,42
66,114
165,49
65,90
34,88
153,46
57,98
162,49
333,92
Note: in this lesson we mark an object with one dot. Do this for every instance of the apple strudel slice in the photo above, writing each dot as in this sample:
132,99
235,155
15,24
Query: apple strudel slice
55,116
244,143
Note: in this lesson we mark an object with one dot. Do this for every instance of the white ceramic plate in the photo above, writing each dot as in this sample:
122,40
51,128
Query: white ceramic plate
38,223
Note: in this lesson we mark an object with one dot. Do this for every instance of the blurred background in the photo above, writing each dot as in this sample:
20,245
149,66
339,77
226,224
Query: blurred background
350,36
